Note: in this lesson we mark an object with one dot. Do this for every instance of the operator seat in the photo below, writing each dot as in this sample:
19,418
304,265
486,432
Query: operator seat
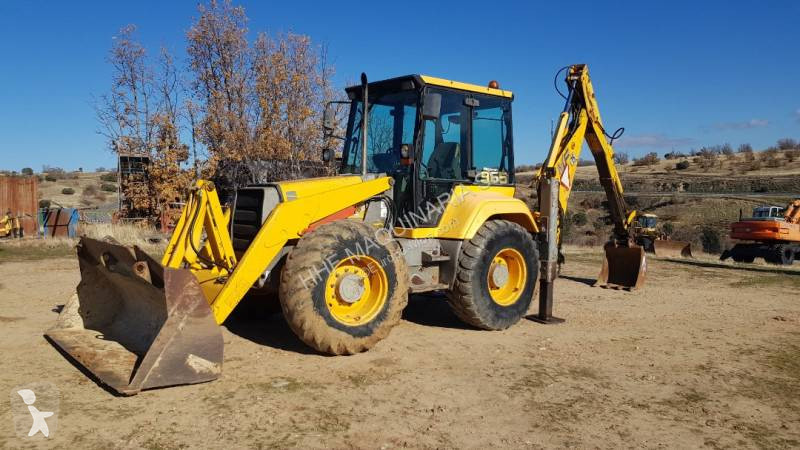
445,161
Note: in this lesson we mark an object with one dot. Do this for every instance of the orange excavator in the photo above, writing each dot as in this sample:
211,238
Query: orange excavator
773,233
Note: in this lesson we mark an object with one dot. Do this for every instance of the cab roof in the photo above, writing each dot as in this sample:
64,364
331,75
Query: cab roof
423,80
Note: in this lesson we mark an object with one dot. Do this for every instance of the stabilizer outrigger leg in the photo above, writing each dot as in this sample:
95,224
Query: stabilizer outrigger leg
548,248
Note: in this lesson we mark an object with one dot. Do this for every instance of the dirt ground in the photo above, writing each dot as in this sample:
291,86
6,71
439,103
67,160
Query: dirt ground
703,356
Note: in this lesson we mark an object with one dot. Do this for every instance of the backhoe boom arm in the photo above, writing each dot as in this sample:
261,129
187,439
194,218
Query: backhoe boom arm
580,120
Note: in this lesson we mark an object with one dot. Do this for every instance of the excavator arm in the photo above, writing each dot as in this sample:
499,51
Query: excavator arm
580,120
624,265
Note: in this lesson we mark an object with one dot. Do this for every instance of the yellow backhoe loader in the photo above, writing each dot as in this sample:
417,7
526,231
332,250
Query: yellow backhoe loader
649,236
424,201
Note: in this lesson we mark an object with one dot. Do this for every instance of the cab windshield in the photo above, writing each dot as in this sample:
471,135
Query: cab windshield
647,222
767,211
391,121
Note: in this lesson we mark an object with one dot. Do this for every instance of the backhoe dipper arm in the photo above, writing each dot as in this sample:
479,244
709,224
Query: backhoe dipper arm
580,120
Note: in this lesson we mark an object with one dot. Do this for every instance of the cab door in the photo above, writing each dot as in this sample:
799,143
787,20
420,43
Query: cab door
468,143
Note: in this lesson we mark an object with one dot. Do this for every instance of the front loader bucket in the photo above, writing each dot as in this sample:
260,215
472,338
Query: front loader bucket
623,268
136,325
672,249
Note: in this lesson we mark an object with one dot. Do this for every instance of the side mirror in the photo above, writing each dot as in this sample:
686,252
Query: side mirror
327,155
328,119
432,107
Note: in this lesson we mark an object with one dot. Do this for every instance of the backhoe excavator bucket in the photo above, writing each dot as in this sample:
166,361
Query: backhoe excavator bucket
672,249
623,268
136,325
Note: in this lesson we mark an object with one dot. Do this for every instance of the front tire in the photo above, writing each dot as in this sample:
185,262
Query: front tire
343,289
496,276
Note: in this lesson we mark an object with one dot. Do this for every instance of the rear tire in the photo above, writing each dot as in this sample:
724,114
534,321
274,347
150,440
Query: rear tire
486,295
332,318
784,255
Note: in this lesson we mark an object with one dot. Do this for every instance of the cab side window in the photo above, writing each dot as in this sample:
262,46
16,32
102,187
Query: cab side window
490,134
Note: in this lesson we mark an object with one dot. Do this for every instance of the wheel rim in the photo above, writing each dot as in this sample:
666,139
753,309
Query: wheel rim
356,290
507,276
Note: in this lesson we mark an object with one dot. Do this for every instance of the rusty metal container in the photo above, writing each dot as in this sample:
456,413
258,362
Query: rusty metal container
21,195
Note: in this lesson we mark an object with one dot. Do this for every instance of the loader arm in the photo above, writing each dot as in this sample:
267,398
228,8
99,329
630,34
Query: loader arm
579,121
223,279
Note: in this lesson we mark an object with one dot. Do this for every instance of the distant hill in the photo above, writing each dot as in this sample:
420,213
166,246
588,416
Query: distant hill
88,189
769,171
698,201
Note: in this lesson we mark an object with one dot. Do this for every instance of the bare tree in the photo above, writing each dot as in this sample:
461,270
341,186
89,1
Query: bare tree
140,117
125,112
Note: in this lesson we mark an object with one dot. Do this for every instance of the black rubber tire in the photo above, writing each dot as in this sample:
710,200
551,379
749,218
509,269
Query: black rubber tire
784,255
469,297
647,244
302,293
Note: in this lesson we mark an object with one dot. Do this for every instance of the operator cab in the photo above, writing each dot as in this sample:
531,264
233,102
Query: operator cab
768,213
647,220
430,134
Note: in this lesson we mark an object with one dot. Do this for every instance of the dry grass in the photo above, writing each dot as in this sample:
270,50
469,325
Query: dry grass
31,249
149,240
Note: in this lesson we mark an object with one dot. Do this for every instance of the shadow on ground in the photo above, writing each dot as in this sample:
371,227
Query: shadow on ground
260,320
583,280
432,310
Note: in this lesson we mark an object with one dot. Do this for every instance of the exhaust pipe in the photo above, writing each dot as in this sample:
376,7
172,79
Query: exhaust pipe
364,122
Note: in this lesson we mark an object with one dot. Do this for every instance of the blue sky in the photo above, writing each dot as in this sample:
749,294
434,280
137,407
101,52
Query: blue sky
675,74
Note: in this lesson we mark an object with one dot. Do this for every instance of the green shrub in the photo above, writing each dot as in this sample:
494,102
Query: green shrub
90,190
787,144
57,172
108,187
667,228
647,160
68,191
579,219
27,171
711,240
49,177
682,165
110,177
44,203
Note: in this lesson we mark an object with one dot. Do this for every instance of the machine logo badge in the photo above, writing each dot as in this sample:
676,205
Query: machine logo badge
34,410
